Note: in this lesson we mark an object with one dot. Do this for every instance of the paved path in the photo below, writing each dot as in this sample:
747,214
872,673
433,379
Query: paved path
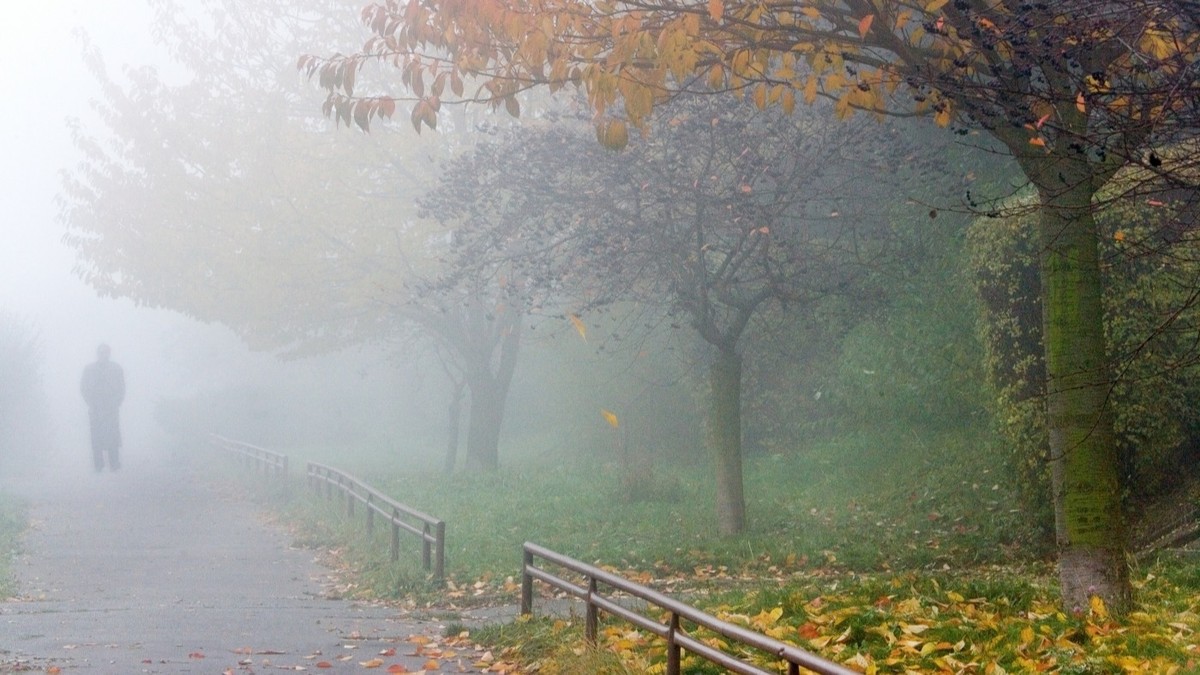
147,570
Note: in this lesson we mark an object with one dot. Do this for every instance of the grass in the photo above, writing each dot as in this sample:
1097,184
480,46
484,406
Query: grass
856,504
885,552
13,519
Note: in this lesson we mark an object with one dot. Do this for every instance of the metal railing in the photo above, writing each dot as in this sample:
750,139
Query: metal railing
673,632
273,463
430,530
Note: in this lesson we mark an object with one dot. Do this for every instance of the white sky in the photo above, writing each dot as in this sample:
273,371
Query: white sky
45,82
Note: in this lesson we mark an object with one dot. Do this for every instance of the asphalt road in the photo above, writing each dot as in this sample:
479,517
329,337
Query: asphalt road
150,570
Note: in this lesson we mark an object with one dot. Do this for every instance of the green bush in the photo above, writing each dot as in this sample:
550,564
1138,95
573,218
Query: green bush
1150,260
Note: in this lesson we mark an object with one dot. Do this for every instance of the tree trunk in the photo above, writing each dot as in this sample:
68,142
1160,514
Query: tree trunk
1084,472
453,424
484,421
725,437
489,389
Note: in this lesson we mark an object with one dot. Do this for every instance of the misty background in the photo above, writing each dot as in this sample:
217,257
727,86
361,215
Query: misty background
378,395
60,318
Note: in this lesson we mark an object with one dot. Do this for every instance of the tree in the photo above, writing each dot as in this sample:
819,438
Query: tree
219,193
729,217
1074,90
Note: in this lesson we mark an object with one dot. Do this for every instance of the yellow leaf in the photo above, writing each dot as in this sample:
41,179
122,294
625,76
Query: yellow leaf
811,12
611,418
579,327
864,25
373,663
1098,607
935,5
810,90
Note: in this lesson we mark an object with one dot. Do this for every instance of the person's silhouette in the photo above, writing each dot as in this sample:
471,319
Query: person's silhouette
103,387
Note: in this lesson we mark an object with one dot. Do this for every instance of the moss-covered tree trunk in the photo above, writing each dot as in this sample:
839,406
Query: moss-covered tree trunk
725,438
1083,456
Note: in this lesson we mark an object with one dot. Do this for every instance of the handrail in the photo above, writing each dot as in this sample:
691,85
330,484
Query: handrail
431,531
272,462
677,638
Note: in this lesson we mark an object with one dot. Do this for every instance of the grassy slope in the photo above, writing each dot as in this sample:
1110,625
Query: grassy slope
889,551
12,523
866,503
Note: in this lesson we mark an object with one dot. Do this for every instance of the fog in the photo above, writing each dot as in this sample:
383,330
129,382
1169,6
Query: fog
165,355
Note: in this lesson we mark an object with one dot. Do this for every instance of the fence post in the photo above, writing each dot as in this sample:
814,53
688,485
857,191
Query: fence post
439,555
370,513
593,615
426,549
526,584
673,655
395,553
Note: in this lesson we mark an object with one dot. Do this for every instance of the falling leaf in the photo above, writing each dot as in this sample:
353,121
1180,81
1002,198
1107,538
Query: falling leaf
611,418
864,25
1155,202
1041,121
579,327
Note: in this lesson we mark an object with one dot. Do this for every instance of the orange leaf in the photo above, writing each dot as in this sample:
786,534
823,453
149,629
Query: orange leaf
716,9
1041,121
324,664
610,417
1079,103
431,665
1037,140
397,668
1119,235
864,25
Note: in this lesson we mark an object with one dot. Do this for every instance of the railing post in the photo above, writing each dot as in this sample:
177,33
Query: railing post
673,649
592,624
370,513
439,554
395,551
526,583
426,549
349,492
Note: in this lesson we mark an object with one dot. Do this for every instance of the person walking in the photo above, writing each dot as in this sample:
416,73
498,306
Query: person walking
103,387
